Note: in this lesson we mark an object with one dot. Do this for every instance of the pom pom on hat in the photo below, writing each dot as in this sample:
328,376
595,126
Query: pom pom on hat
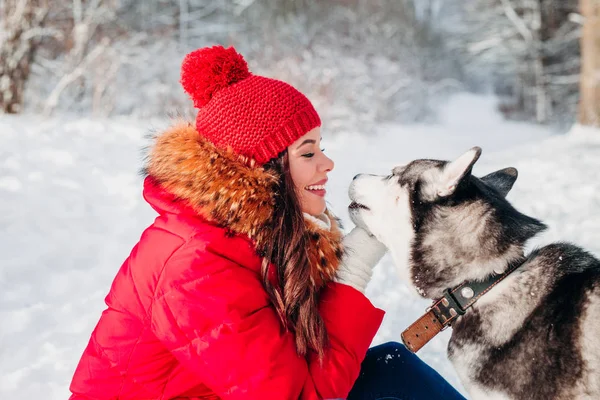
208,70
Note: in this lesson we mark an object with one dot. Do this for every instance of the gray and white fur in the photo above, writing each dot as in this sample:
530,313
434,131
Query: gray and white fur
534,336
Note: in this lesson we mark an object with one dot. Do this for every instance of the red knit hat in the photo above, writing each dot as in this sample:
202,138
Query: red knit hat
257,117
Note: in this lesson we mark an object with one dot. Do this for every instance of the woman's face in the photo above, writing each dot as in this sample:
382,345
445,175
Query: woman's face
309,167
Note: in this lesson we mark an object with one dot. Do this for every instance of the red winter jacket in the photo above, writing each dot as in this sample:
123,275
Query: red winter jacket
188,318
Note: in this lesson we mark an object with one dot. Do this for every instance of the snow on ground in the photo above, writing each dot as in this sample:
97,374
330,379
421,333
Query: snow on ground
70,193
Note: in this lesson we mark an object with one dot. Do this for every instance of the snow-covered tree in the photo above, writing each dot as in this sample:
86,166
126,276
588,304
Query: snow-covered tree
21,30
86,50
525,50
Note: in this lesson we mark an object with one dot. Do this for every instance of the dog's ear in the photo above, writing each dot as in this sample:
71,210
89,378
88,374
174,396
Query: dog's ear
502,180
456,170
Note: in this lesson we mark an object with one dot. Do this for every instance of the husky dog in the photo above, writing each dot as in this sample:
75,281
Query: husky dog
535,335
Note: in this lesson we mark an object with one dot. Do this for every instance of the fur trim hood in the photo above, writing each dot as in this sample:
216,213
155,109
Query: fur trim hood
232,192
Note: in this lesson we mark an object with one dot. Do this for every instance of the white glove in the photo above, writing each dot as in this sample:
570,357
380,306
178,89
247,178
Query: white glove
361,253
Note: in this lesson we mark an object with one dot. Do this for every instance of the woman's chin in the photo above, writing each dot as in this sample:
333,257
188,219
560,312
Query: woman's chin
315,209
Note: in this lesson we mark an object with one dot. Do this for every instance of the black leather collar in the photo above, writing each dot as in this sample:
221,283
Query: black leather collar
454,303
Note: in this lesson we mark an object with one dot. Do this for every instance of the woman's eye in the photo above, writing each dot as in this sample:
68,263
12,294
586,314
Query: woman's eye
311,155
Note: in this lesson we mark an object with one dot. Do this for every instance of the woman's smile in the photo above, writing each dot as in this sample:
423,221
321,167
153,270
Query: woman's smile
318,188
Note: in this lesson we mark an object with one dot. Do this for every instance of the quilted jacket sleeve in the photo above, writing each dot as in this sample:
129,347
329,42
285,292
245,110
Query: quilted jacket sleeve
218,322
351,322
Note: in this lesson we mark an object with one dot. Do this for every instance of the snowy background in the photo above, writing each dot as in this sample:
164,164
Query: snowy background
72,209
393,80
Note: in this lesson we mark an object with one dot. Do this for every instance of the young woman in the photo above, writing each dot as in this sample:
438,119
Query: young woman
243,287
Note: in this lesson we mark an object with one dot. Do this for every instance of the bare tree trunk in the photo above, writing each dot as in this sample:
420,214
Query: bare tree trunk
23,28
589,105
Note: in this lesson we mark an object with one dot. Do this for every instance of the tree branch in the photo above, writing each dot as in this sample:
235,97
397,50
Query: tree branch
517,21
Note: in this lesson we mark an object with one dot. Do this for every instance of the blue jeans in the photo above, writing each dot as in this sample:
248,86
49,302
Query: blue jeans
391,372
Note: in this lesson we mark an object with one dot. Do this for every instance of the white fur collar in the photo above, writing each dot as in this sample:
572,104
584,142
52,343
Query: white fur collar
322,220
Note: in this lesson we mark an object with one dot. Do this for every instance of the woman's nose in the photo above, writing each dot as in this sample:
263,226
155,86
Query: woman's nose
328,164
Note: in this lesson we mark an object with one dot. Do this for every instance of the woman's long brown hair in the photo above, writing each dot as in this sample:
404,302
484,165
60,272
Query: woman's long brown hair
294,298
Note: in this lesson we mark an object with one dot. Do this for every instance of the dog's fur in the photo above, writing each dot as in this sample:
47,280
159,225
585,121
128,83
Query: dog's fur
536,335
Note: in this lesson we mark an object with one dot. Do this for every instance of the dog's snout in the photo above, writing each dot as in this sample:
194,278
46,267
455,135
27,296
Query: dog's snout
360,175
